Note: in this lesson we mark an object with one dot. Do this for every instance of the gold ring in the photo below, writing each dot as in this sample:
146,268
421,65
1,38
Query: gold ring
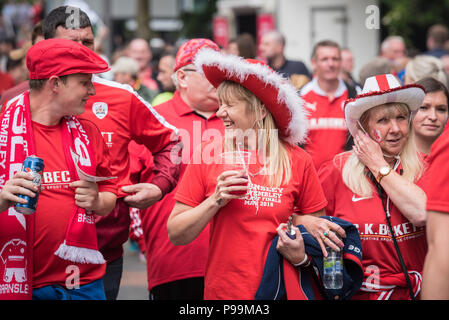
326,233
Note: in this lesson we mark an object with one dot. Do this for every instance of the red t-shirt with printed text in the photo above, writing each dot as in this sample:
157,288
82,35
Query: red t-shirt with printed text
240,235
55,205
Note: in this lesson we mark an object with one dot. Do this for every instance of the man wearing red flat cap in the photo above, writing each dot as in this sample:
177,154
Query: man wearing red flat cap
53,253
122,116
192,110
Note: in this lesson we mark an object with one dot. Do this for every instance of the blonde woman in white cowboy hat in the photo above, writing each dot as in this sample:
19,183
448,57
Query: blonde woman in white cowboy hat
264,118
374,186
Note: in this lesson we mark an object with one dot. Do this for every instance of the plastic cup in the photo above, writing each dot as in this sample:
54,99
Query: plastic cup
236,161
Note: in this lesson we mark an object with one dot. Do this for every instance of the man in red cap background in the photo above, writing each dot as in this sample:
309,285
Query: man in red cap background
177,272
122,116
53,253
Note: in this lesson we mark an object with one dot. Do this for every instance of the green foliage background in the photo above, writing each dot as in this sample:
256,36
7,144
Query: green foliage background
412,18
198,24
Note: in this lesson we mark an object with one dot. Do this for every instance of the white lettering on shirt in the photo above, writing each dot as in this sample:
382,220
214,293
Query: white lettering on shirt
327,123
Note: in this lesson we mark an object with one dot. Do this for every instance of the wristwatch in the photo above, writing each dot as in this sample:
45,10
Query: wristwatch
383,171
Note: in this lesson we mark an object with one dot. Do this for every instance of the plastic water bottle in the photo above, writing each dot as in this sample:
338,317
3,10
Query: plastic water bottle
290,232
333,269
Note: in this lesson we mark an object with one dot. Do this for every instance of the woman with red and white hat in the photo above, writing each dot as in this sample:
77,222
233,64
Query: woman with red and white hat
374,186
263,117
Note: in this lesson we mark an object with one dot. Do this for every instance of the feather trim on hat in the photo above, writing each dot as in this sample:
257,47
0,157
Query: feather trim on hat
236,66
379,93
412,95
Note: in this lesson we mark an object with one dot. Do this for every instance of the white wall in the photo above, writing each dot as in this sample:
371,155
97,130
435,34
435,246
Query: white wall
294,21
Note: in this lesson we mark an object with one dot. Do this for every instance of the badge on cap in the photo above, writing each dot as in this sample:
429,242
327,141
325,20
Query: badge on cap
100,109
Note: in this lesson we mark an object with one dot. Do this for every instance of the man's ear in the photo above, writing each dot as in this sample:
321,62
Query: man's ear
181,76
54,82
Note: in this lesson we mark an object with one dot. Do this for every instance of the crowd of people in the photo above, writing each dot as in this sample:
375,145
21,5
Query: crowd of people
206,158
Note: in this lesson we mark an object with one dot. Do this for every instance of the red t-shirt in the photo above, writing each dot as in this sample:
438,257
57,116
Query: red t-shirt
367,214
166,258
240,236
435,182
121,117
327,127
55,205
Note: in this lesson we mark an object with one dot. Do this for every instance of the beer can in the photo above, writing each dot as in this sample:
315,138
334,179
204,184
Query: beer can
35,166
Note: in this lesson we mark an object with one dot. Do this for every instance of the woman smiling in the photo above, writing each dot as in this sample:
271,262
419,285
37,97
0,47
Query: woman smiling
264,118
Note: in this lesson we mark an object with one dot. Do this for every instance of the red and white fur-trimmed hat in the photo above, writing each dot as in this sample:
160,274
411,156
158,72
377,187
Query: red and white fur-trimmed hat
276,92
378,90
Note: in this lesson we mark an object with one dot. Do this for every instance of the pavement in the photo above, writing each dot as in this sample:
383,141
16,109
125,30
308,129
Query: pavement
134,278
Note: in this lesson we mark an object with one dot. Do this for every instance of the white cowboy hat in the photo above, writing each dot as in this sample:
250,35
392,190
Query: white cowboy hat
277,93
378,90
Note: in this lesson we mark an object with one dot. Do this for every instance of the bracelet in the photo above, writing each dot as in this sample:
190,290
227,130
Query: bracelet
302,262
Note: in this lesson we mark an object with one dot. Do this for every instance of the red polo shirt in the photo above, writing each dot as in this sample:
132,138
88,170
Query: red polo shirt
166,262
327,126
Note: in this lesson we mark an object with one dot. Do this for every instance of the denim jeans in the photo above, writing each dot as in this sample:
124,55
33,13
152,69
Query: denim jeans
90,291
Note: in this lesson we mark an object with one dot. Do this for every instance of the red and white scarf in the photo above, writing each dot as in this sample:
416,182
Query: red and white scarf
17,230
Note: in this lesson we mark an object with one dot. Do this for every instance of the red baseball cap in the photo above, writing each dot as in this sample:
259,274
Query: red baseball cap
60,57
188,50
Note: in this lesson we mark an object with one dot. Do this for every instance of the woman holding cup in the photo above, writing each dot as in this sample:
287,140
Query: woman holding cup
250,203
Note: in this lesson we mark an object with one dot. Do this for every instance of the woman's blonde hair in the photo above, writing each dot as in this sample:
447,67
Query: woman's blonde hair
275,155
423,66
354,171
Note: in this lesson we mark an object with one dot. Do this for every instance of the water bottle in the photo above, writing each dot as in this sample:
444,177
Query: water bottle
290,232
333,269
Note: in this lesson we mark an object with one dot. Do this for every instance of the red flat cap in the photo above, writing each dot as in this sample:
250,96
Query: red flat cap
60,57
